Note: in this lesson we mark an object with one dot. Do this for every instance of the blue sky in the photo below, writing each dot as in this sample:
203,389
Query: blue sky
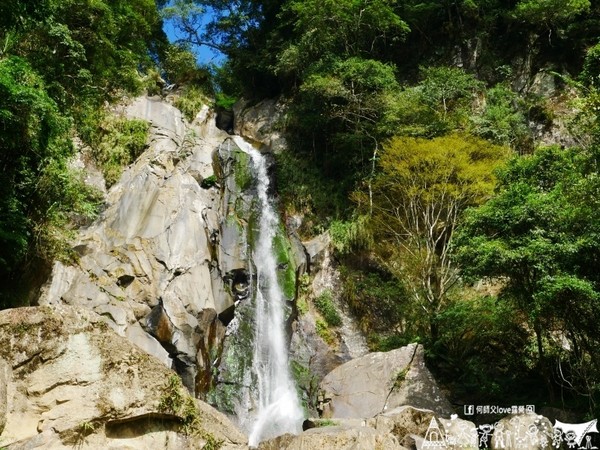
205,55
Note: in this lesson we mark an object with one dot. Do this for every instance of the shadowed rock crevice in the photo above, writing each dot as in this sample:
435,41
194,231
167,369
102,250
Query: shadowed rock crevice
133,427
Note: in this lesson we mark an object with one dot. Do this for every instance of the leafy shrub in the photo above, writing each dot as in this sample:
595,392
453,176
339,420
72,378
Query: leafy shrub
208,182
350,236
305,190
121,142
483,350
303,294
175,400
324,332
180,66
190,101
224,101
502,120
384,342
381,302
39,194
324,304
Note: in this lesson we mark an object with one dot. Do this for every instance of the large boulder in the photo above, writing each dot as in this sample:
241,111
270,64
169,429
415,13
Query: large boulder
419,388
376,382
317,249
403,421
261,122
362,386
415,428
334,438
77,383
402,428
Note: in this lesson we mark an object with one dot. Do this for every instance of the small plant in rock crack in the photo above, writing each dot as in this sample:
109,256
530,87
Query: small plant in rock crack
324,304
174,400
83,431
400,377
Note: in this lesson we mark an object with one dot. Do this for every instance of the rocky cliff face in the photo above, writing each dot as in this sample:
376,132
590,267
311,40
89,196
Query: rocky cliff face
67,380
153,265
163,283
168,264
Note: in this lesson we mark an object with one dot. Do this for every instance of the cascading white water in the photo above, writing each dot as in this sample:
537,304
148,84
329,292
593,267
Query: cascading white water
278,410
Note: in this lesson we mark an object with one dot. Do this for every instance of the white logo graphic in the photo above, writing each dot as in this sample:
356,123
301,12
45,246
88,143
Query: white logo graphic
520,432
575,432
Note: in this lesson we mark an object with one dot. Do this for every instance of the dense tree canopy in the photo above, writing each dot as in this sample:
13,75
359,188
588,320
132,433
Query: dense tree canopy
60,60
538,238
418,197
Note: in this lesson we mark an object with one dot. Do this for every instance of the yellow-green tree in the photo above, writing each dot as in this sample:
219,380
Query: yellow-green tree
418,197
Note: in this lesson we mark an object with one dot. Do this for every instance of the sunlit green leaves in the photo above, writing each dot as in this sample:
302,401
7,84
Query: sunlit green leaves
416,201
550,12
347,28
37,189
538,238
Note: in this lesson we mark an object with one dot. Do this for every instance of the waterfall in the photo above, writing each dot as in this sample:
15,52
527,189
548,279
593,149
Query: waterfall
278,408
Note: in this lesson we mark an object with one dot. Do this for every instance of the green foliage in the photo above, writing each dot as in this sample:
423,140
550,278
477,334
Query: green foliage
59,62
176,401
325,333
384,342
224,101
502,120
550,12
121,142
242,170
287,267
483,350
83,431
303,294
324,28
307,384
39,192
416,202
326,423
325,306
209,182
180,67
90,49
539,236
400,377
350,236
305,190
343,103
447,89
383,307
190,101
590,74
172,398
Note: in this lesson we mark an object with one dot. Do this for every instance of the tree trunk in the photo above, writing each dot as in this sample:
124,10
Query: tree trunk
545,370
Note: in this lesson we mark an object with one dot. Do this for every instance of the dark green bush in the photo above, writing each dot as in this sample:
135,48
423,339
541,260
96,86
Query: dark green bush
324,304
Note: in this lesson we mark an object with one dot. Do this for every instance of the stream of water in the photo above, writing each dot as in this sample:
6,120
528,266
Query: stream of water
278,410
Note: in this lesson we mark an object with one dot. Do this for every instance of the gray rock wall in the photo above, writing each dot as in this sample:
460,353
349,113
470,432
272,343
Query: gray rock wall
262,123
153,264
